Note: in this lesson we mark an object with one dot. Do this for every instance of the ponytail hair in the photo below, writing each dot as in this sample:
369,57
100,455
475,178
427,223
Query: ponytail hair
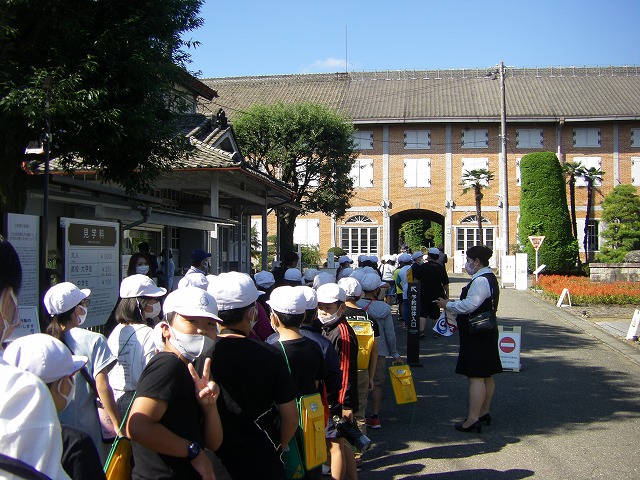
55,325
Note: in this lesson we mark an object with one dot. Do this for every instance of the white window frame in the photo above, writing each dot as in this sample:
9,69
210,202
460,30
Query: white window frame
596,224
475,138
635,171
361,242
417,139
362,173
588,162
363,139
587,137
473,163
518,176
635,137
417,172
529,138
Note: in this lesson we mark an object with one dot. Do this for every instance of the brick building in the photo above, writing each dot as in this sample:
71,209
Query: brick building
418,131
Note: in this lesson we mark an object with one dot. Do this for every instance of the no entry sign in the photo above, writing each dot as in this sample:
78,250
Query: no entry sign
509,347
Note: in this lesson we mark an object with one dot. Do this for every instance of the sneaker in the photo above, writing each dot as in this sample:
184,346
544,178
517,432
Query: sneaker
326,470
373,421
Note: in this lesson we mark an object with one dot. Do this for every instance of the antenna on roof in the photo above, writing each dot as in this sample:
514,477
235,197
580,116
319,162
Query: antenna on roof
346,49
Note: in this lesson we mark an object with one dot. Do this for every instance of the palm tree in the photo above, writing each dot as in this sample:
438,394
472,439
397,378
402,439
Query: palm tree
477,180
573,170
591,176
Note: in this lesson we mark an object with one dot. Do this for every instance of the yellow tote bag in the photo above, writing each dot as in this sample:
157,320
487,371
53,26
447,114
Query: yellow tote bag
364,333
402,383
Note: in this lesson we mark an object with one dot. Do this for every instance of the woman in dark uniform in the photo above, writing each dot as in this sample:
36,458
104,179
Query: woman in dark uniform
478,359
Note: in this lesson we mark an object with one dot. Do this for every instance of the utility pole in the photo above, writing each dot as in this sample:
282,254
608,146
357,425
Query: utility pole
502,170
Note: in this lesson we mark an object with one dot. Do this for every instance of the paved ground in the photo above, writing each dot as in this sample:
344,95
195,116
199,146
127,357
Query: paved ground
572,412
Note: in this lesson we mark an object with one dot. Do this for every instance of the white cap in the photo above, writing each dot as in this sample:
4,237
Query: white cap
140,286
362,258
210,278
393,257
310,274
404,258
194,280
358,273
433,251
416,255
310,296
288,299
264,279
322,278
371,281
191,302
345,272
351,286
331,293
44,356
344,259
233,290
63,297
373,259
293,275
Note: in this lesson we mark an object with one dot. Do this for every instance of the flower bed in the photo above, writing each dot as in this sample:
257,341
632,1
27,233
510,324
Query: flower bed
585,292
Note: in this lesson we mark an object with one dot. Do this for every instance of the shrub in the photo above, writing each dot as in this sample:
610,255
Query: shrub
544,211
585,292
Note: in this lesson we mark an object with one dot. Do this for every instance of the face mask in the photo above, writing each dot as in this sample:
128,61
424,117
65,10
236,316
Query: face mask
67,398
157,308
142,269
328,318
83,317
16,316
469,268
190,346
255,319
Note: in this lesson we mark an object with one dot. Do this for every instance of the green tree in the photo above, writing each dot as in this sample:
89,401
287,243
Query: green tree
256,249
573,170
543,211
307,146
592,176
412,233
434,235
109,70
621,213
310,256
476,180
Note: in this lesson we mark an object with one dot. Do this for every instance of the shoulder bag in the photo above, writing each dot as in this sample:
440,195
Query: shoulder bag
484,321
118,465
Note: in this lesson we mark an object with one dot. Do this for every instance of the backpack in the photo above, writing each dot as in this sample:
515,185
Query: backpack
363,329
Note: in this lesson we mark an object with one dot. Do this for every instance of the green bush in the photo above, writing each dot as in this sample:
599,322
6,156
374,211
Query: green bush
544,211
337,252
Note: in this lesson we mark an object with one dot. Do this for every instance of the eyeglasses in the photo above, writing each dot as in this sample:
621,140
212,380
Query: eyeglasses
85,302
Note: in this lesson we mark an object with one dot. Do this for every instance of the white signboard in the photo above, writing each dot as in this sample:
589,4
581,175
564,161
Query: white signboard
459,259
634,327
92,260
508,275
23,232
29,323
509,347
521,271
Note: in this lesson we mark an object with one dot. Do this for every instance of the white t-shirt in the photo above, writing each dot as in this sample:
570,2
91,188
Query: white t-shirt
133,345
29,426
81,412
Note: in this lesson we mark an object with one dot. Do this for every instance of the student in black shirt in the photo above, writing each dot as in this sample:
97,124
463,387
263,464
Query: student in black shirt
175,415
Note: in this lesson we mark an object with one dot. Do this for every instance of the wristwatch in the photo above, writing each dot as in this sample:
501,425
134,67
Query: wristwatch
193,450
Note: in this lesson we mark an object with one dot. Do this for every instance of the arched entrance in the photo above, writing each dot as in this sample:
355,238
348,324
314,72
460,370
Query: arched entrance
396,220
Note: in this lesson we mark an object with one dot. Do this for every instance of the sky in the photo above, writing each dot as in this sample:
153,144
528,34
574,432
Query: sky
266,37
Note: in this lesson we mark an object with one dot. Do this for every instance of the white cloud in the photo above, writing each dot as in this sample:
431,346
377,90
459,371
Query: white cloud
327,65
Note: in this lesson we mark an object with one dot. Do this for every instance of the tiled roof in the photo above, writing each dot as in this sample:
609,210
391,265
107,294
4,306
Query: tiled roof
444,94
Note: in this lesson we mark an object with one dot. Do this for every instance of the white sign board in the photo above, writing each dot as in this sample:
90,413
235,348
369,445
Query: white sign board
23,232
522,278
331,260
508,275
29,323
634,328
459,258
536,241
92,260
509,347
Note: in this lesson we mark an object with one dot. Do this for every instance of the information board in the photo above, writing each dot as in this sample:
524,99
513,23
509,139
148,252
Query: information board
92,260
508,274
28,323
23,232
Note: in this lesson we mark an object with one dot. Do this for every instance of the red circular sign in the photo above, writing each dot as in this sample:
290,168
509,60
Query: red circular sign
507,344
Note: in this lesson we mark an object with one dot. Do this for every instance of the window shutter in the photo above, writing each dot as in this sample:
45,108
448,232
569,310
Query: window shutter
462,141
518,179
541,138
635,171
366,174
410,171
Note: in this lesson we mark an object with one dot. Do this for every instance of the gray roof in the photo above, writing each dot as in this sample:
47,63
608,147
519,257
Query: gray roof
416,95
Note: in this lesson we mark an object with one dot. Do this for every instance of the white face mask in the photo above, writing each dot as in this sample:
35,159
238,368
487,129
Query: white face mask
469,268
83,317
325,319
69,396
190,346
142,269
156,309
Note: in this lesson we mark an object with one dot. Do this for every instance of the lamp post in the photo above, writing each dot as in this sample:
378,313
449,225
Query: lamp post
504,180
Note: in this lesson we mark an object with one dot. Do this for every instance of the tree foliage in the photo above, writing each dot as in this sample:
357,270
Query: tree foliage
476,180
435,234
110,69
592,176
621,213
412,233
543,211
307,146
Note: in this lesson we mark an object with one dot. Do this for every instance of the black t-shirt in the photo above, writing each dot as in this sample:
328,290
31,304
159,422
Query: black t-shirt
80,458
252,376
167,378
359,314
306,364
432,277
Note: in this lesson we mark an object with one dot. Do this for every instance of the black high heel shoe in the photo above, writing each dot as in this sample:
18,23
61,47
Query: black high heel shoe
486,418
476,426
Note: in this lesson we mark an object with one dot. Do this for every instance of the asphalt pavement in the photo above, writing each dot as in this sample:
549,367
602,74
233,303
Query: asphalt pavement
571,412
